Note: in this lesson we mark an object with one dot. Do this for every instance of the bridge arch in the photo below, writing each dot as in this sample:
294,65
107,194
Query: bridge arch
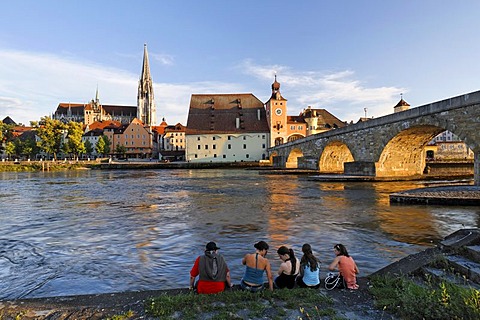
334,155
294,137
403,155
292,160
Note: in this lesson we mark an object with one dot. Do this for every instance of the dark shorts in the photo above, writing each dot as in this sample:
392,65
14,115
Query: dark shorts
248,287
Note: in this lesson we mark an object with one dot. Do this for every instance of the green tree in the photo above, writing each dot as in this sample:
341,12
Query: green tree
107,144
103,145
88,147
6,134
10,148
74,143
28,148
51,133
120,149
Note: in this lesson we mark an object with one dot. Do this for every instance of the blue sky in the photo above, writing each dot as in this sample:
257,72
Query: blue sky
343,56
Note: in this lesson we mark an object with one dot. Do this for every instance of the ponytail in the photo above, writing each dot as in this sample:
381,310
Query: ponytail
308,258
293,260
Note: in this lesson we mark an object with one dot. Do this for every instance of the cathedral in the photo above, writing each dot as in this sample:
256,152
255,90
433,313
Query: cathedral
88,113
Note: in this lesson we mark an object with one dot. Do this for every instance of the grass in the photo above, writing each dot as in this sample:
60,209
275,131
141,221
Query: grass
25,166
409,300
308,304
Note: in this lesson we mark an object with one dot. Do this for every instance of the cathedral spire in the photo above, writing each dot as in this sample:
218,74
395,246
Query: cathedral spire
145,99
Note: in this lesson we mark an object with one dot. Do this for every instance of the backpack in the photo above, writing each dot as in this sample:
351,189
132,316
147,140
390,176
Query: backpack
334,280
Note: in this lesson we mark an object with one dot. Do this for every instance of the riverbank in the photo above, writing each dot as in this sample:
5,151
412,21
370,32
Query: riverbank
335,304
442,265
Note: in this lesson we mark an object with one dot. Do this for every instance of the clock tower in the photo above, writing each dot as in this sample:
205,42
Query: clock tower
276,108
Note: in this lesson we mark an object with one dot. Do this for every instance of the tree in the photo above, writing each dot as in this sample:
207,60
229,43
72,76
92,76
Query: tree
88,147
107,144
103,145
28,148
51,133
6,133
74,144
10,148
120,149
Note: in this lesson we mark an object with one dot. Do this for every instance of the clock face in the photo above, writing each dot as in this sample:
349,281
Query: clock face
278,112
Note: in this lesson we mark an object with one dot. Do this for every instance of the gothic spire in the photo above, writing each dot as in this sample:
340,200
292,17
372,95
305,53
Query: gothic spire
145,99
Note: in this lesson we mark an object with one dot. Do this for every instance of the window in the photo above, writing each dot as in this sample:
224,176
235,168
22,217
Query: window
214,146
213,138
244,138
229,146
224,156
229,137
263,136
198,138
196,156
206,147
244,146
247,156
198,147
300,127
214,155
263,145
292,127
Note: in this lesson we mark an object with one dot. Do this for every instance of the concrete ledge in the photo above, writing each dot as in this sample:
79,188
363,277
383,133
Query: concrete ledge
464,195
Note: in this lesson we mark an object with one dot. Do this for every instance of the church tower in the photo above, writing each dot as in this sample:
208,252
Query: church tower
276,108
145,99
402,105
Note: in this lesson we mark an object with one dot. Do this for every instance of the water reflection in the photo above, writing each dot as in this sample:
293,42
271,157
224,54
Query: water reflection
81,232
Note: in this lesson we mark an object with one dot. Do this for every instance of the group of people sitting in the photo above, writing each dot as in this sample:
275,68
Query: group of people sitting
214,275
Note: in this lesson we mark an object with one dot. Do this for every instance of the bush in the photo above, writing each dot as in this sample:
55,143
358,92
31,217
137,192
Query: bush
443,300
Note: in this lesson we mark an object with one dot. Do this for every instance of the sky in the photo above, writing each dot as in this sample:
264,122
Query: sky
352,58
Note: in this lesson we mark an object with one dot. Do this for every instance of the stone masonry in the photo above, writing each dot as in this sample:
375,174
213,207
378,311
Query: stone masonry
389,146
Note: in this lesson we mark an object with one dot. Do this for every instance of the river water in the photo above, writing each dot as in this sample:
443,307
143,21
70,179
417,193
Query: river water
89,231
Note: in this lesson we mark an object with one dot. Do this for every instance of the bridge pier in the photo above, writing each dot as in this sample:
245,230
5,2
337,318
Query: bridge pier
359,168
476,168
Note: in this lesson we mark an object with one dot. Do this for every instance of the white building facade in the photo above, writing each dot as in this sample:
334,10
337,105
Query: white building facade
226,128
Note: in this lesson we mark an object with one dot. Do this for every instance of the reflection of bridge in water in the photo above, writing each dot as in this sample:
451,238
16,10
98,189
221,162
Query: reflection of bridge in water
389,146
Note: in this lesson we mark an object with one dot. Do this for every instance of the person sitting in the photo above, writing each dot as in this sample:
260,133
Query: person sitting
255,265
212,271
309,269
346,266
288,270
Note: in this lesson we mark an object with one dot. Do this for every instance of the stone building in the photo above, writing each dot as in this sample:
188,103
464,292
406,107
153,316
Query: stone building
226,128
94,111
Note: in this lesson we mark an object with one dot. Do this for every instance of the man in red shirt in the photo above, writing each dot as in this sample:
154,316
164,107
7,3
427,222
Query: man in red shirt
212,271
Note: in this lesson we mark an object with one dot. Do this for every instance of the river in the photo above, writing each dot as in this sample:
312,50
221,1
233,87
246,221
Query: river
92,231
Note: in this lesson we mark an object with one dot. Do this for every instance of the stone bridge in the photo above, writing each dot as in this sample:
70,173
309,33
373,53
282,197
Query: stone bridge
389,146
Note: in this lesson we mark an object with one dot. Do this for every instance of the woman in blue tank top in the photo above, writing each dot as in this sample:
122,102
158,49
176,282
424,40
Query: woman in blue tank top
309,269
255,265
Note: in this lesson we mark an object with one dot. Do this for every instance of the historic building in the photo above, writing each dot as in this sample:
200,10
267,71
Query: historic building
226,128
284,128
169,141
135,137
146,110
88,113
93,111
